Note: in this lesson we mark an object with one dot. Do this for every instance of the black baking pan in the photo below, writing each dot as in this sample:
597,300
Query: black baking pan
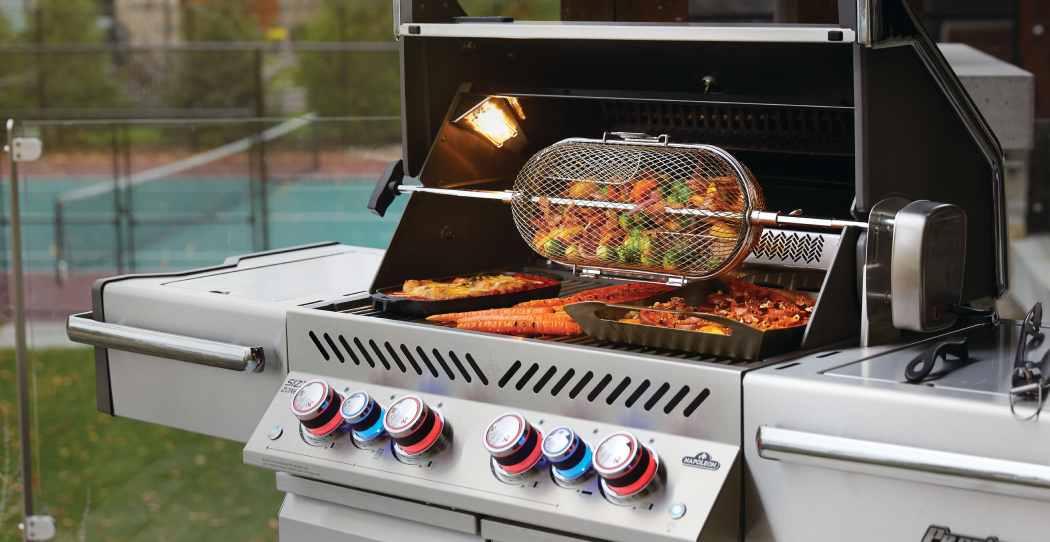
381,300
601,321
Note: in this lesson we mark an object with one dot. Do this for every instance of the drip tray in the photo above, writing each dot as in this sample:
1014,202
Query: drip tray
991,352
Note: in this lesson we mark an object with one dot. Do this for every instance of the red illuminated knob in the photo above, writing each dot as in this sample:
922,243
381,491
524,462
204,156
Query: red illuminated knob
316,405
625,465
414,426
514,443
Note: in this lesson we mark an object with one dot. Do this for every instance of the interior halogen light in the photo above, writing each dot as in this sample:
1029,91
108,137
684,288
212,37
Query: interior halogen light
491,122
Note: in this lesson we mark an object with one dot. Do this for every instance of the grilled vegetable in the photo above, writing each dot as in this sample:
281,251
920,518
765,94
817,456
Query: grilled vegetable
456,316
679,193
606,254
523,327
574,254
642,189
554,249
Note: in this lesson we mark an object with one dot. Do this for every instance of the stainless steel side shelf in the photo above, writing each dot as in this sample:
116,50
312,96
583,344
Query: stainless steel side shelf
82,328
1012,478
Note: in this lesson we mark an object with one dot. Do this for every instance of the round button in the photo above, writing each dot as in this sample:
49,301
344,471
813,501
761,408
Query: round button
626,467
275,432
514,443
569,455
676,511
363,414
413,425
316,405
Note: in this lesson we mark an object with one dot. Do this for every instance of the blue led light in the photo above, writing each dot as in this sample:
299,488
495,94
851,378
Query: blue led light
581,468
375,430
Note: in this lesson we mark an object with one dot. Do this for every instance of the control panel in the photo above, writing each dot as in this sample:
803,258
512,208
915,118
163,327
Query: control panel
564,474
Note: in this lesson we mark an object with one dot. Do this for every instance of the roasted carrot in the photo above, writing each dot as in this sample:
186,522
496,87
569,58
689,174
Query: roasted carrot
550,317
523,327
553,302
455,316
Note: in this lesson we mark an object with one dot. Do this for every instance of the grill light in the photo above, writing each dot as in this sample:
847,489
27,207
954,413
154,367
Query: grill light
516,105
489,120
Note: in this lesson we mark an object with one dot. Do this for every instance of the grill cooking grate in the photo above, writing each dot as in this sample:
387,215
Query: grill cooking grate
568,288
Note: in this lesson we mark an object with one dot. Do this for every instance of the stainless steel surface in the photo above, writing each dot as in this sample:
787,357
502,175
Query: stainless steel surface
397,509
926,275
858,393
250,359
876,297
308,519
461,478
285,280
768,218
635,31
785,248
662,390
219,403
505,197
397,19
500,531
909,463
864,21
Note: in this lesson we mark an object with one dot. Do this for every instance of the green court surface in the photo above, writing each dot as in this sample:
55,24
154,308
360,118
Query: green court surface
191,222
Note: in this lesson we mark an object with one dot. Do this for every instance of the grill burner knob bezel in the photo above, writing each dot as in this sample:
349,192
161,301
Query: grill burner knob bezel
364,415
316,405
634,472
516,450
570,457
421,431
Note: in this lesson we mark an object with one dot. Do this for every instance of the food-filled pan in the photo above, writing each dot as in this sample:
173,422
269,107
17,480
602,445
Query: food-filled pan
461,294
651,321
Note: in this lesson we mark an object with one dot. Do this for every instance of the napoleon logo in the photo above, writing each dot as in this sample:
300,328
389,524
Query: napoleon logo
701,460
944,534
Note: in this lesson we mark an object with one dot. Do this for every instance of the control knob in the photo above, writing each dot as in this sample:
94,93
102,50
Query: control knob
629,470
570,457
365,418
514,445
419,431
316,405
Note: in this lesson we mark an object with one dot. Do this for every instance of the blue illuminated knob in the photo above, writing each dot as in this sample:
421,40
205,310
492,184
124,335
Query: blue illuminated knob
364,415
569,455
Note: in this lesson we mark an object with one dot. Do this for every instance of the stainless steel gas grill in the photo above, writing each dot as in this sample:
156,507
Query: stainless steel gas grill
383,426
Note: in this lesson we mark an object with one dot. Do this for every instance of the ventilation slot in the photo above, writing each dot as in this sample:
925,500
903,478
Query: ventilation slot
598,389
637,394
361,348
426,361
618,390
320,348
441,361
397,360
335,349
525,377
509,374
481,376
411,360
544,379
462,371
676,399
561,383
382,358
346,346
581,384
696,403
657,396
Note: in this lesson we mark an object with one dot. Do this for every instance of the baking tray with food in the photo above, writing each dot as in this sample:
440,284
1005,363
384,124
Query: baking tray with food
544,317
461,294
739,320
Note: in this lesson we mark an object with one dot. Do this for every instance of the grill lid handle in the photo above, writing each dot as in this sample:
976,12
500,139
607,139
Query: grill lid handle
386,189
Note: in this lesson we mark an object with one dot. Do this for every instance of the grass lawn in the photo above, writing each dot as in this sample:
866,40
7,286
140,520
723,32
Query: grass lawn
104,478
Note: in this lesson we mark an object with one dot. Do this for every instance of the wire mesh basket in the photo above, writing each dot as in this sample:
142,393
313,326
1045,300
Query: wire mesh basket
639,203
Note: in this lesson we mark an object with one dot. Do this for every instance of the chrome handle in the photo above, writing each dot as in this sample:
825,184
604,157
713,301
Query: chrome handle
397,20
82,329
948,469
